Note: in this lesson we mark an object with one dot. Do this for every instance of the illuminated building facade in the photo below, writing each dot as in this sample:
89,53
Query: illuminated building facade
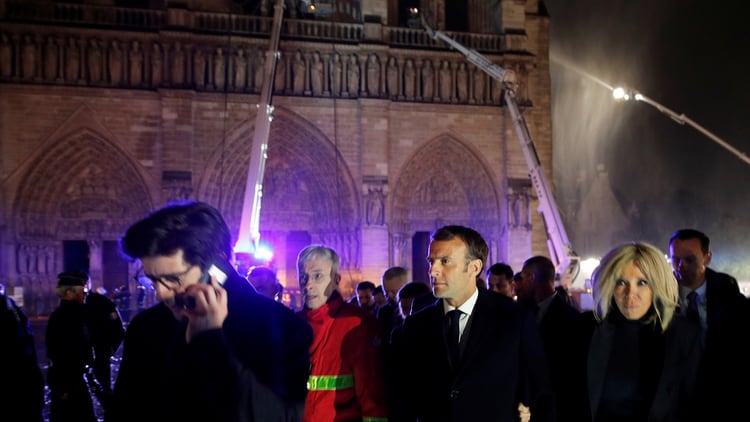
380,133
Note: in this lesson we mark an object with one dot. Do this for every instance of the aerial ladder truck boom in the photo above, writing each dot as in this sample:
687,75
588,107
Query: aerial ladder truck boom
249,235
565,259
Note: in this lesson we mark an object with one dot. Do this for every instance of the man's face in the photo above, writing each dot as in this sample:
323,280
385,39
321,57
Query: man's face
76,294
170,275
689,262
392,286
525,288
365,298
500,284
380,299
316,282
452,276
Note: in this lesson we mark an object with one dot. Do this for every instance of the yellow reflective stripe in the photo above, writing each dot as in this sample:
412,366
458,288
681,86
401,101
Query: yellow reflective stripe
374,419
329,382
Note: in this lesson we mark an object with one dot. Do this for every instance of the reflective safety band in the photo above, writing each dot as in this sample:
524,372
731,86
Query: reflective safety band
374,419
329,382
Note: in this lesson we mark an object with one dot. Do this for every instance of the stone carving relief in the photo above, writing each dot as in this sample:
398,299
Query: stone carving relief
146,63
374,200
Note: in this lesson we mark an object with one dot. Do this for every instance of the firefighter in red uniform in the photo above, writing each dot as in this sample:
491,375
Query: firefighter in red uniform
345,381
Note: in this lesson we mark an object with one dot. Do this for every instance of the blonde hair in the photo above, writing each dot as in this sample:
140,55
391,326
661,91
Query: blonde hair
653,263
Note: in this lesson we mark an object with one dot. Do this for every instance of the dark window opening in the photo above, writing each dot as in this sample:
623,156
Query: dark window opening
75,255
456,16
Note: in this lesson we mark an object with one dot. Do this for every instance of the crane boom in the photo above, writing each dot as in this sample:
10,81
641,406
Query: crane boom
249,234
562,254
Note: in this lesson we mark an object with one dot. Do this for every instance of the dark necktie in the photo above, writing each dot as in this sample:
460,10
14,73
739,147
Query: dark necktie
692,307
454,334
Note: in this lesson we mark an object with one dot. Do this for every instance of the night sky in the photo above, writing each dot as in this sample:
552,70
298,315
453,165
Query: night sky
689,56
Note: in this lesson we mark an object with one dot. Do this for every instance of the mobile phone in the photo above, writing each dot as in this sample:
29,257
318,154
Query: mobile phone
217,274
188,302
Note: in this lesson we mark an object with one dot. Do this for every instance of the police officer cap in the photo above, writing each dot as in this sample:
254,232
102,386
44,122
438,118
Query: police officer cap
72,278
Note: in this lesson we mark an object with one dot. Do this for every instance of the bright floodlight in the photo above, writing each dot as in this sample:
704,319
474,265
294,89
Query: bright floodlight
588,265
620,94
263,252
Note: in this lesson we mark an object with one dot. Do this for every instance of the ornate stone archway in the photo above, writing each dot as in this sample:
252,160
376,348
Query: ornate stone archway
444,182
307,186
81,187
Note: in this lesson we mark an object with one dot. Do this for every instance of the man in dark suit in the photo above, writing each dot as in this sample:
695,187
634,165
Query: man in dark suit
713,300
474,355
561,329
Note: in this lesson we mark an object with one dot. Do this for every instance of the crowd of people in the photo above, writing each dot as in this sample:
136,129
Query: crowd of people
477,342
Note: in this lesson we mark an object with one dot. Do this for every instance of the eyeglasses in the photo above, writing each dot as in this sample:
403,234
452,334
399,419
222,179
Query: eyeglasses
170,281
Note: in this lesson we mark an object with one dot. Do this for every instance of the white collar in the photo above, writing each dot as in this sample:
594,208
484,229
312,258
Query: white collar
466,307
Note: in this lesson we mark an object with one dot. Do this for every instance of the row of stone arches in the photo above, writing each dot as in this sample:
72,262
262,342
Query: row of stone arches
82,184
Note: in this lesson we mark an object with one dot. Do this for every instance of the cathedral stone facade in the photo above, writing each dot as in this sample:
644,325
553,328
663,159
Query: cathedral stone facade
380,134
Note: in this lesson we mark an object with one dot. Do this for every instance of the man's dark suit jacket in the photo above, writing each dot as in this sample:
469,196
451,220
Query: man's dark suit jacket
502,362
724,373
565,346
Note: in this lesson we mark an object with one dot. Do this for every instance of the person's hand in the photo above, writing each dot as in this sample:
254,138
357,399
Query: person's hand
210,308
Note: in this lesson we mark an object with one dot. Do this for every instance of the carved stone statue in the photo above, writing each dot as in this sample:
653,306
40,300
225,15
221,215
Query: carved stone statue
462,82
352,75
156,65
94,60
316,74
28,58
445,81
410,74
177,70
336,74
240,70
115,61
392,77
6,56
260,60
298,75
136,64
375,199
373,75
428,80
72,60
50,59
279,84
219,77
479,78
199,68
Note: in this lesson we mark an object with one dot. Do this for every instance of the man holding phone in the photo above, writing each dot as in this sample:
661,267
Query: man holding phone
212,349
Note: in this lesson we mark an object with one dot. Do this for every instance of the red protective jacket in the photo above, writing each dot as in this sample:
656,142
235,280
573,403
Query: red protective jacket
346,382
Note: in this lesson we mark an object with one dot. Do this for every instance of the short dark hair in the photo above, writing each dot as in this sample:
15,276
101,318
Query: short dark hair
413,289
476,245
196,228
366,285
542,266
262,273
687,234
72,278
378,290
393,272
500,268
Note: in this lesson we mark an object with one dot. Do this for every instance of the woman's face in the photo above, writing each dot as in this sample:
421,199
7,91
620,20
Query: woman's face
633,294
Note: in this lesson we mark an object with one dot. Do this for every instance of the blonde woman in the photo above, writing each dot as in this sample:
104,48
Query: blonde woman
643,357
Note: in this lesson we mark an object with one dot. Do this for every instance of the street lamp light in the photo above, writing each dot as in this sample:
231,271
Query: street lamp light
622,94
